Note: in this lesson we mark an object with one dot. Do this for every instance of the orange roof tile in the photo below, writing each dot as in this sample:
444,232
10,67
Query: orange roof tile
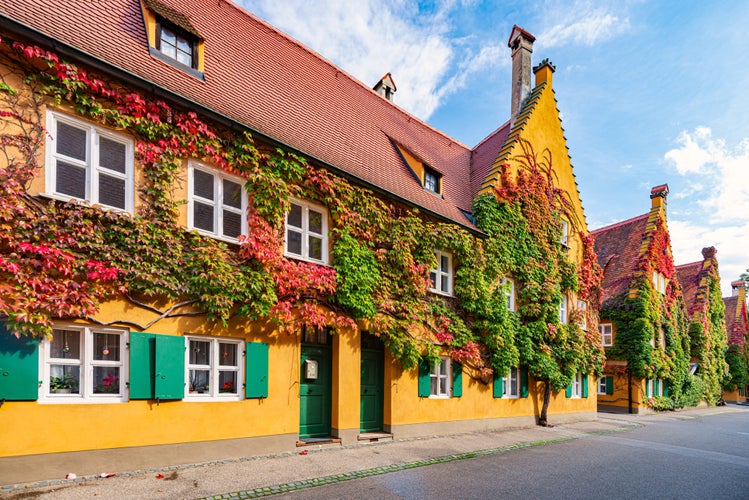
689,276
617,247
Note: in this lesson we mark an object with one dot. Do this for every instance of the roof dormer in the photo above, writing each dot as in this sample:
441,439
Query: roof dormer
429,178
385,87
172,37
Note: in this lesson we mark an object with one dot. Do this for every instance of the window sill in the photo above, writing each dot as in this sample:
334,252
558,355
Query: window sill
510,397
208,234
85,203
439,397
294,256
437,292
198,398
78,400
176,64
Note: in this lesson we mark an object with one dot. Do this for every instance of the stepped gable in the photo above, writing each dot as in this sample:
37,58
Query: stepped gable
617,247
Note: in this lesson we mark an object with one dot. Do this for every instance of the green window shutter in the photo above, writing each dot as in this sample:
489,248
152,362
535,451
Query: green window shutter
256,370
568,391
157,366
19,367
497,389
523,381
665,387
609,385
425,385
457,379
170,367
585,385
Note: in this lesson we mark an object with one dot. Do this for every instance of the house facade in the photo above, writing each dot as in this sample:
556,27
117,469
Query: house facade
737,326
642,321
215,234
700,285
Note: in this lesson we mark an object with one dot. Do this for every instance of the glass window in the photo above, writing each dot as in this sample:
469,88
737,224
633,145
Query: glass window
582,306
565,233
214,368
510,384
217,203
440,378
84,363
563,310
176,44
577,385
442,277
431,180
607,335
602,385
509,291
307,232
89,163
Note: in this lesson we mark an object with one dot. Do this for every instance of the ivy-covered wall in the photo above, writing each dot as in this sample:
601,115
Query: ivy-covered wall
62,259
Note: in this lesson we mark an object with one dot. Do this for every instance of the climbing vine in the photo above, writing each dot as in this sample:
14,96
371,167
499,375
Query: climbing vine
61,259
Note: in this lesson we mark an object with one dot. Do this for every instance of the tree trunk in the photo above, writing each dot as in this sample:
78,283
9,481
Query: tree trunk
542,421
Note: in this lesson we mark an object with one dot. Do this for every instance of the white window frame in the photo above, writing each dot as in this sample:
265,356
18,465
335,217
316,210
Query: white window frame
87,363
602,385
602,327
441,370
582,306
563,310
577,386
306,233
217,202
439,273
509,291
565,238
214,367
651,388
512,375
91,164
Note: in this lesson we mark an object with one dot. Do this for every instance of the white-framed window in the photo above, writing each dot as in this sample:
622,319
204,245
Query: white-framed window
565,238
509,291
511,383
84,364
307,232
431,180
442,277
607,334
577,385
176,44
659,282
602,385
563,310
440,378
89,163
582,306
217,202
214,368
654,387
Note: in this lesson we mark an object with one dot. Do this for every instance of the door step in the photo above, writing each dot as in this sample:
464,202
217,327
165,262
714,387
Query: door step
323,442
374,437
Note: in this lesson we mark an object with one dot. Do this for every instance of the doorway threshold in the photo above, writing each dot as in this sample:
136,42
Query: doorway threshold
375,437
318,441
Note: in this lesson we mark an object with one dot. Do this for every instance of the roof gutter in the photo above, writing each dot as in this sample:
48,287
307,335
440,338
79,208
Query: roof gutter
22,30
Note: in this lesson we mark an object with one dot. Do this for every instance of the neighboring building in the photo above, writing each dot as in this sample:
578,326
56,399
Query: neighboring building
223,236
642,324
737,326
700,285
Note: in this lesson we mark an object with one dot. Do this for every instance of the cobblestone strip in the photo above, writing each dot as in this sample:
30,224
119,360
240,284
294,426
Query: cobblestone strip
387,469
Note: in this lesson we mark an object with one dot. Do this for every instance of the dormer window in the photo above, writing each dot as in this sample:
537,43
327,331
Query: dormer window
431,180
176,44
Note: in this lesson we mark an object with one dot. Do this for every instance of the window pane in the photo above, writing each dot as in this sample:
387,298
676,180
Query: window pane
65,379
200,352
443,385
184,57
444,264
202,184
227,382
294,242
112,191
106,380
434,386
183,45
202,216
199,381
232,194
71,141
66,344
433,279
232,224
112,155
70,180
444,284
106,346
514,383
315,222
227,354
315,248
294,218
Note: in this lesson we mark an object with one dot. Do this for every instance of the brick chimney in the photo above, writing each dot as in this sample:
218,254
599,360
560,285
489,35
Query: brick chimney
521,43
709,252
738,288
658,198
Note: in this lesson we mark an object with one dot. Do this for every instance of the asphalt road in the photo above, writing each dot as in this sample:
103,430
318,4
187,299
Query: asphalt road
689,457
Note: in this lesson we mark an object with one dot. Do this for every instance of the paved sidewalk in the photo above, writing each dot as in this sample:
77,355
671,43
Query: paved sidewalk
262,476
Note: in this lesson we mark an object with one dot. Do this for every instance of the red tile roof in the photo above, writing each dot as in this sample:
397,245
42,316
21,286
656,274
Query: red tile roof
737,324
264,79
485,154
689,276
617,247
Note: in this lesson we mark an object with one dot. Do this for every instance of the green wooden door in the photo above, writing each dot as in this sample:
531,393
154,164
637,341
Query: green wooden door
315,393
372,390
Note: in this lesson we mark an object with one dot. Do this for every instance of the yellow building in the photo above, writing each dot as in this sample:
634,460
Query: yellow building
176,281
737,326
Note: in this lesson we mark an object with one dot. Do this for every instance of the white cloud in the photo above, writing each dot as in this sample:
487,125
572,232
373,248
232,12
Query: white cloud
583,23
718,194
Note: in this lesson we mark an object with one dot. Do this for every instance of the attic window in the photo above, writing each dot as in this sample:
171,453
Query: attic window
431,180
177,44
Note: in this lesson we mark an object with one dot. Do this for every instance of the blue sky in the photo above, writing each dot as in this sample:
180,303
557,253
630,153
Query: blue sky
649,92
